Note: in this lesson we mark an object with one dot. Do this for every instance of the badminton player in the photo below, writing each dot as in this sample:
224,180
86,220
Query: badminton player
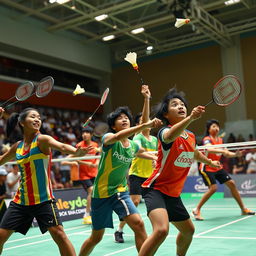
212,174
176,152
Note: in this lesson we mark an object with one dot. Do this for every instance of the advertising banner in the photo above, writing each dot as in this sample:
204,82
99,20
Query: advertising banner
194,187
71,203
245,183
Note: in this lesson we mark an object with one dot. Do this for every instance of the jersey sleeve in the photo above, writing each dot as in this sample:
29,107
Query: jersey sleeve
107,147
136,147
165,145
137,139
206,141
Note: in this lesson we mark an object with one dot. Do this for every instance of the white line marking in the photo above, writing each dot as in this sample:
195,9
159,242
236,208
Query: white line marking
112,253
221,226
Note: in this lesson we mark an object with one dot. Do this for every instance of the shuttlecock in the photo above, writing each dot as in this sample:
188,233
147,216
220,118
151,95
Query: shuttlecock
181,22
5,147
78,90
131,57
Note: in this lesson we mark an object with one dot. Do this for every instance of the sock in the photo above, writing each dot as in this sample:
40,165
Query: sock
86,214
120,230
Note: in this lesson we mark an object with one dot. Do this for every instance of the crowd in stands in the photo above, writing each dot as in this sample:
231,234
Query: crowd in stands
66,127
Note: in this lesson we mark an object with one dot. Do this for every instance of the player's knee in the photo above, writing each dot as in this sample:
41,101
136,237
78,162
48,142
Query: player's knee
96,239
213,188
139,224
59,234
136,202
161,232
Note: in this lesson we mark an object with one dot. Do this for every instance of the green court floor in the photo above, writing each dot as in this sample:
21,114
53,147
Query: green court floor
224,232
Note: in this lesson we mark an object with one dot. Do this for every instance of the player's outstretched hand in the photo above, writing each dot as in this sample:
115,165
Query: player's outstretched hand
197,112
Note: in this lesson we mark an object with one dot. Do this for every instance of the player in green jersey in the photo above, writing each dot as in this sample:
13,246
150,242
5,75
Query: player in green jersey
110,192
140,169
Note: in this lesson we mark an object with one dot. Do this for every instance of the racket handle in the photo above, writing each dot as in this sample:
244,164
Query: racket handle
209,103
11,104
87,121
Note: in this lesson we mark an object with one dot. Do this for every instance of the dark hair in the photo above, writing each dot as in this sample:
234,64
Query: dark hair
162,108
111,118
87,129
137,118
15,119
209,123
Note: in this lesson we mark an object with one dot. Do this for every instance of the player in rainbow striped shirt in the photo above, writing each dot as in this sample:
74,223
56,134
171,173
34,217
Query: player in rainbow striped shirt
34,197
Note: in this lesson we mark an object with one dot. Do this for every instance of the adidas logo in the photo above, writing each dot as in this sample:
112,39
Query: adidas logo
181,147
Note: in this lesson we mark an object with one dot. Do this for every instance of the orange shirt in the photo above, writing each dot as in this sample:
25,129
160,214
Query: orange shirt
173,163
212,156
74,173
86,172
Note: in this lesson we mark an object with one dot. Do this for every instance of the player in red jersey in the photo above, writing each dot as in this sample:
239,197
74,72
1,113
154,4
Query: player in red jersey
176,152
211,174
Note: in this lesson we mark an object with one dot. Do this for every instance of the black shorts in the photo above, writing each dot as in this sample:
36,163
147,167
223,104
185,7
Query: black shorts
210,178
135,183
155,199
87,183
20,217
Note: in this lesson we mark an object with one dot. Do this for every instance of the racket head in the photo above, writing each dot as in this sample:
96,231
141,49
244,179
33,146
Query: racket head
226,91
24,91
44,87
104,96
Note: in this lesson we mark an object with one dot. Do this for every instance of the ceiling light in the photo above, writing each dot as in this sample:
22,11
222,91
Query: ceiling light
230,2
107,38
137,30
101,17
58,1
150,48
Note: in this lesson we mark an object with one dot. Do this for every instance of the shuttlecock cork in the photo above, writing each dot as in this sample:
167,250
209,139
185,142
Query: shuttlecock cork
131,57
181,22
78,90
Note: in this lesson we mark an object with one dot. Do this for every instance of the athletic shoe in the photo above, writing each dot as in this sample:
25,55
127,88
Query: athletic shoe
87,220
119,237
197,215
247,211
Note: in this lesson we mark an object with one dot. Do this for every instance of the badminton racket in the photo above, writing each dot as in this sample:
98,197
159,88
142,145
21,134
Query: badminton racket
226,91
44,87
23,92
102,101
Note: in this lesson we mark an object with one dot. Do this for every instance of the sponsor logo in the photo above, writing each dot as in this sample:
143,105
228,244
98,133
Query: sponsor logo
200,186
185,159
181,146
247,185
71,204
122,157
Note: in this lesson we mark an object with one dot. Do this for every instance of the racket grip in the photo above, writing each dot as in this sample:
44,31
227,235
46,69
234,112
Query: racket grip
210,102
87,121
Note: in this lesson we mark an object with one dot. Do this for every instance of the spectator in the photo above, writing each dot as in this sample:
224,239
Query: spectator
12,181
3,174
251,160
238,165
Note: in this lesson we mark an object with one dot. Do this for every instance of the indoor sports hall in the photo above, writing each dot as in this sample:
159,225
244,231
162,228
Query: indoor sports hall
134,113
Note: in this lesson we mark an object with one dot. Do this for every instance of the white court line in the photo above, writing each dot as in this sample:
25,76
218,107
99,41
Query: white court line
65,229
112,253
50,239
221,226
227,237
41,241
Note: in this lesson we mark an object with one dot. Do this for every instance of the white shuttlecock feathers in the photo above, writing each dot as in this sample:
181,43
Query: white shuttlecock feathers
181,22
78,90
131,57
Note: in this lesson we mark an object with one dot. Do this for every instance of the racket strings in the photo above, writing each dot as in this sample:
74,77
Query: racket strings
226,91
